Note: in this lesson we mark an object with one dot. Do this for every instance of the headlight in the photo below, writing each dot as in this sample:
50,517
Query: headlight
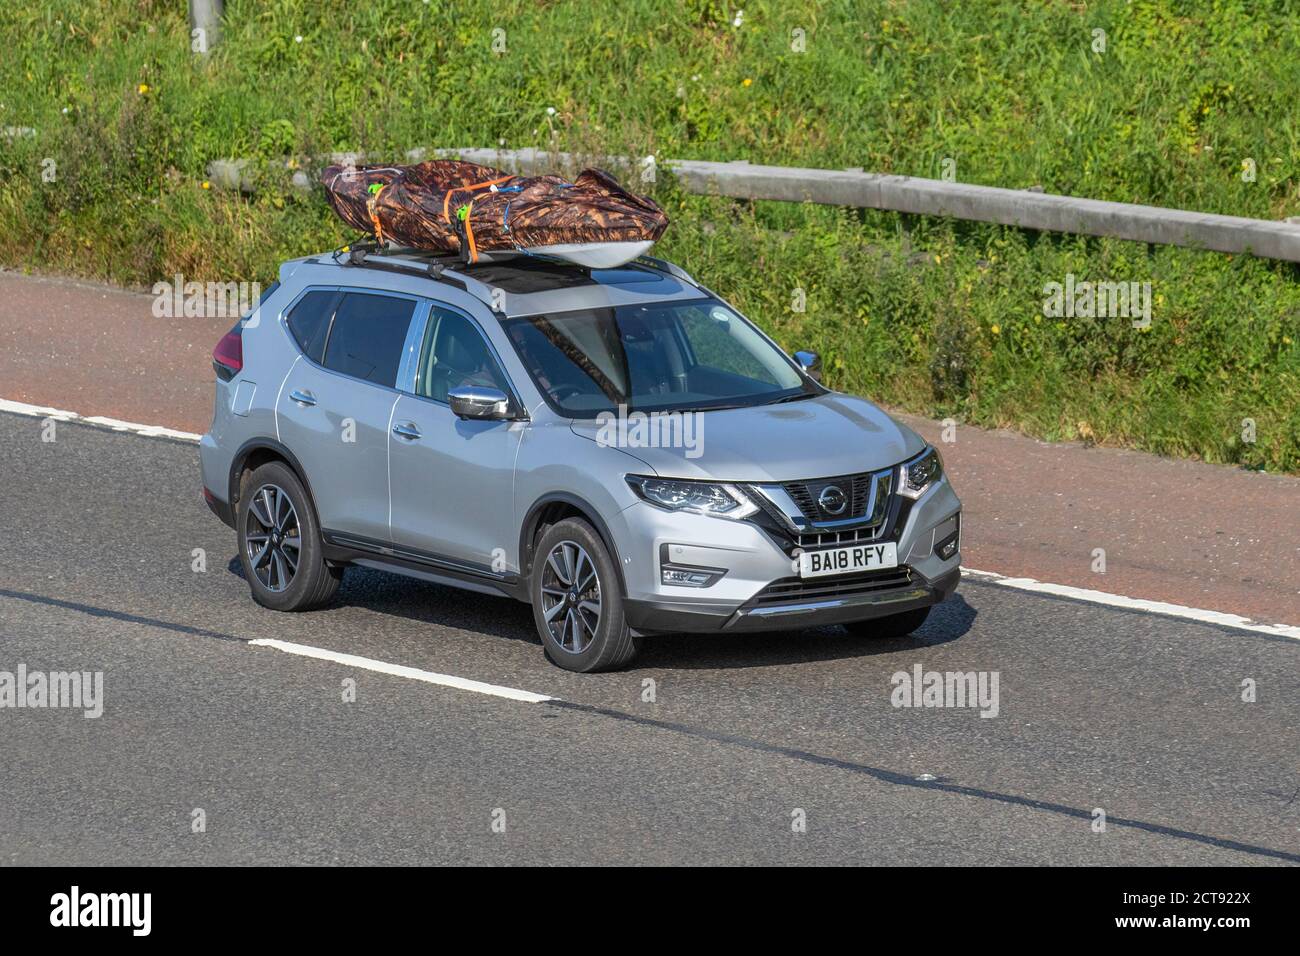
696,497
921,472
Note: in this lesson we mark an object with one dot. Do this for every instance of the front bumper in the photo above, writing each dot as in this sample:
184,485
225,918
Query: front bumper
797,612
761,589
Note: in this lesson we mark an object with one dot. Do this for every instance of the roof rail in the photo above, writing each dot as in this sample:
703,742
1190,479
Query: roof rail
407,261
663,265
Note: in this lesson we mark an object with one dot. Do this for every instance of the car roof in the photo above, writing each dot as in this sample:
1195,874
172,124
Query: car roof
522,285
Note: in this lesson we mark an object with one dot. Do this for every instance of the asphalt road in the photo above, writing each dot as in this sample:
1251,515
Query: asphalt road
1136,714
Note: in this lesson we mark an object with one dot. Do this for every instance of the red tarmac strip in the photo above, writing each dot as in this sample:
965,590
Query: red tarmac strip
97,350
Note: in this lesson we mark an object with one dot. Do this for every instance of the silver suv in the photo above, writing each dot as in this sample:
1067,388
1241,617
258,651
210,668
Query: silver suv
618,448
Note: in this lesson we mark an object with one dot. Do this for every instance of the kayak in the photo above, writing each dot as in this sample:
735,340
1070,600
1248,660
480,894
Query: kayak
483,214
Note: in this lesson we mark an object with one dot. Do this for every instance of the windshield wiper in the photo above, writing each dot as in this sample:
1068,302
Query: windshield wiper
720,408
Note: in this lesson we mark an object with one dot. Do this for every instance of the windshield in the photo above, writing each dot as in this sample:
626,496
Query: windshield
657,357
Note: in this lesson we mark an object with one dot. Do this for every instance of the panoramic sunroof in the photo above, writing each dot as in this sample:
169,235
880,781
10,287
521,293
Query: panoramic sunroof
523,275
527,275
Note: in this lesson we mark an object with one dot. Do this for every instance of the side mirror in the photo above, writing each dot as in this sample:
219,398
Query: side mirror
477,401
811,363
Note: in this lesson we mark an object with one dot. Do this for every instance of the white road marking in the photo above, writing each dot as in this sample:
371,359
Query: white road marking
397,670
1134,604
1020,584
58,414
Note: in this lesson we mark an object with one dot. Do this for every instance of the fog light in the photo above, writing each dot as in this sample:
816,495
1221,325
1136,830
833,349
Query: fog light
948,546
686,578
682,574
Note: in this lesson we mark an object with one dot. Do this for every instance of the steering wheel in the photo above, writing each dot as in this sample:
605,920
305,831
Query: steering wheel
564,390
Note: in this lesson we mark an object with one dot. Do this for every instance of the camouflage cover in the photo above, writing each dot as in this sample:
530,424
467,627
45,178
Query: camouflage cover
463,208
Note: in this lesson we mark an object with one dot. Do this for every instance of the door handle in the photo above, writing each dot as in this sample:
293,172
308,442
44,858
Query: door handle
302,398
407,431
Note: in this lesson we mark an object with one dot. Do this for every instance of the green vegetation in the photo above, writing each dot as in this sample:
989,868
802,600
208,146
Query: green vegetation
938,317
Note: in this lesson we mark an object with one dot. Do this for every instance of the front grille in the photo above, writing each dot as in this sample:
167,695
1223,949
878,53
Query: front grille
859,504
853,526
836,539
794,590
857,490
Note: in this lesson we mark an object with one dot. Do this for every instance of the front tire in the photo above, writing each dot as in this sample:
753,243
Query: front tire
280,546
576,602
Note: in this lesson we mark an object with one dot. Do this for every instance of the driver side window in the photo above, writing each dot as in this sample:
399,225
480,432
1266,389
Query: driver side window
455,354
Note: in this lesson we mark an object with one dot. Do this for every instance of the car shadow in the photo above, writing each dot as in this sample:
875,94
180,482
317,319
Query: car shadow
947,622
424,602
439,606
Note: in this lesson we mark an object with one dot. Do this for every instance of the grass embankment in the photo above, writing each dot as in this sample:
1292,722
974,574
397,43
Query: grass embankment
936,317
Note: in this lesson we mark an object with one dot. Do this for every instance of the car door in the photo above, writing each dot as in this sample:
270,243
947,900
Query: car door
452,478
336,404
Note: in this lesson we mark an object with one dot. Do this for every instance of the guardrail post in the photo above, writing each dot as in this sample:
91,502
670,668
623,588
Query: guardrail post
205,25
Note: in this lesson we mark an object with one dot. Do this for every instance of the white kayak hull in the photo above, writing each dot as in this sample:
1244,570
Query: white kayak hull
591,255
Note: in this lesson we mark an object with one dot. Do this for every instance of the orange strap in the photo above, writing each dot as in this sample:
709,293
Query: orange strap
446,200
469,233
374,215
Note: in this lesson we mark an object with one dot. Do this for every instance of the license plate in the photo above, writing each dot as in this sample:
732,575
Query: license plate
859,557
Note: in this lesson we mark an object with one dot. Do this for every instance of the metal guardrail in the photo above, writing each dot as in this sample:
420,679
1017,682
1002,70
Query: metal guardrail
1025,209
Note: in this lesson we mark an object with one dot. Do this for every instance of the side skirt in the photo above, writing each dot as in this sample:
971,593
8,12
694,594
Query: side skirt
342,548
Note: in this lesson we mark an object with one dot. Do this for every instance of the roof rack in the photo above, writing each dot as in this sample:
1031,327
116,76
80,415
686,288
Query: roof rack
450,269
399,259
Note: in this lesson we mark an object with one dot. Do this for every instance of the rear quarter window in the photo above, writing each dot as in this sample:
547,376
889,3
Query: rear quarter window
309,321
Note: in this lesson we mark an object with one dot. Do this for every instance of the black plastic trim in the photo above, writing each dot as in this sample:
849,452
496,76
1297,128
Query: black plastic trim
269,444
533,517
342,547
222,509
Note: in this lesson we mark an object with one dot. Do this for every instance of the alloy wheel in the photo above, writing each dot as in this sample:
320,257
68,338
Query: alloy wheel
571,597
272,538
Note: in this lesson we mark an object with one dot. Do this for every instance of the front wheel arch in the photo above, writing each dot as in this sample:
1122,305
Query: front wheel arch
612,643
551,509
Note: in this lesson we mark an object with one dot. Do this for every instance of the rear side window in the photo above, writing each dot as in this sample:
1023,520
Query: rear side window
367,336
309,320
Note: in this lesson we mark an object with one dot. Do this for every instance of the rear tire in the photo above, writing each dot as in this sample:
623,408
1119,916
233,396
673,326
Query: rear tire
280,546
894,625
577,606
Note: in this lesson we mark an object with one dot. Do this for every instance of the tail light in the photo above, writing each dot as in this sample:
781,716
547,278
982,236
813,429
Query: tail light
228,356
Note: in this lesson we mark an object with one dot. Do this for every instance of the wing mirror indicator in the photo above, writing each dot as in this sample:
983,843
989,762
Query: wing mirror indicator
811,363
